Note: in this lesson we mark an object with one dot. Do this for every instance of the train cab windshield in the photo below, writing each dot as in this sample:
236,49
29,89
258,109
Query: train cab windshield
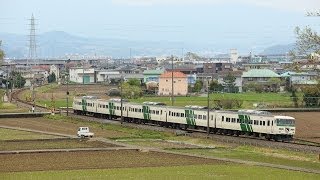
285,122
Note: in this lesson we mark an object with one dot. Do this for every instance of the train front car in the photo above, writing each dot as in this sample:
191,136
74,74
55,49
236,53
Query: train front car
284,128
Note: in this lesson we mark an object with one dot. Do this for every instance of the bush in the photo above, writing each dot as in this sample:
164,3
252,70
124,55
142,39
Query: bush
113,92
228,103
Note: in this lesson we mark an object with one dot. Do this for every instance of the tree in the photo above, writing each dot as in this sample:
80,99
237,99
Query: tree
311,95
52,78
215,86
294,97
230,82
308,41
197,86
130,91
134,82
17,79
2,54
274,84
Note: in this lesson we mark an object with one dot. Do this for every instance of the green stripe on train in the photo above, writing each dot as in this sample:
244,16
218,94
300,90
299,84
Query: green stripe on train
244,123
146,112
190,117
84,105
111,108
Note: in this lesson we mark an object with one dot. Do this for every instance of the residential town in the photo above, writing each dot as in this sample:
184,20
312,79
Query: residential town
248,73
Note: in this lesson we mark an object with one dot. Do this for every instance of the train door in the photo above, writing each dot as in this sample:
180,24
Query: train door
272,124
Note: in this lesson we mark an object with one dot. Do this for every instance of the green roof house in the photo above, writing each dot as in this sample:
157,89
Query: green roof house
269,80
152,75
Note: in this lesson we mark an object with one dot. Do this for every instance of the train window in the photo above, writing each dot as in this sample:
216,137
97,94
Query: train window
227,119
268,123
222,118
140,110
250,122
157,112
271,123
200,117
182,114
238,120
204,117
264,123
160,111
169,113
107,106
260,123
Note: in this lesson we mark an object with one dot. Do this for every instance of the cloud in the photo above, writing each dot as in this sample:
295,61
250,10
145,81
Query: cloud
289,5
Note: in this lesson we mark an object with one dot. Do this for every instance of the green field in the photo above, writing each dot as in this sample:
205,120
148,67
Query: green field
250,98
265,155
230,171
126,132
10,134
57,103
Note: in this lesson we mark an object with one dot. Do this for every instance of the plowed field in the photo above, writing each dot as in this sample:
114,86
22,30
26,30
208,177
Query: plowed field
307,125
94,159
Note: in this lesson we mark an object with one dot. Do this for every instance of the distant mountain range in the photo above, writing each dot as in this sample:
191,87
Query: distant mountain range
60,44
279,49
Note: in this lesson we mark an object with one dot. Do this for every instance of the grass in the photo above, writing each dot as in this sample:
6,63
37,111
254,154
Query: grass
266,155
58,103
10,134
230,171
132,133
48,88
11,108
50,144
250,98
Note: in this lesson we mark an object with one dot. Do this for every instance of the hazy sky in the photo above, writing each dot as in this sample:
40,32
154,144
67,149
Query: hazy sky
250,21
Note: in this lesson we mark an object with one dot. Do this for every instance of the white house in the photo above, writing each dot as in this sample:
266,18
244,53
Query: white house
82,75
54,69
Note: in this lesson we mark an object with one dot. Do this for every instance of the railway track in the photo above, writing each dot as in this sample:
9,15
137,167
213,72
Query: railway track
24,104
296,145
242,140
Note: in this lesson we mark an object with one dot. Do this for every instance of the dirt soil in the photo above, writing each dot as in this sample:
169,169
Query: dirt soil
69,128
10,145
307,125
94,160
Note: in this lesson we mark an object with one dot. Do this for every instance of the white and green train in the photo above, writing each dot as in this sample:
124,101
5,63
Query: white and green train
242,122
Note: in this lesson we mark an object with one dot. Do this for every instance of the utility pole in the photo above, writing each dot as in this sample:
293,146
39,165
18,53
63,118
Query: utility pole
172,92
121,100
83,72
208,110
67,94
